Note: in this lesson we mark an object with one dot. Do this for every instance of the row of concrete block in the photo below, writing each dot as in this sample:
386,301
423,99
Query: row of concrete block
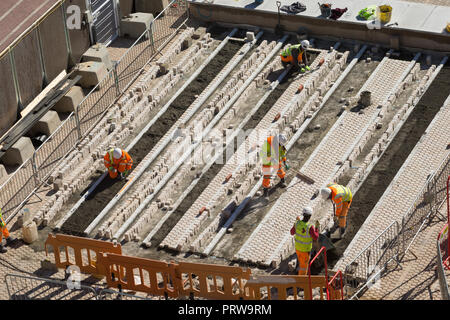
108,133
320,165
216,185
204,117
239,198
396,122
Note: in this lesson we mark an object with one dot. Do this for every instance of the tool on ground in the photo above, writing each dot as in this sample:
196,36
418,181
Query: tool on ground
279,27
304,177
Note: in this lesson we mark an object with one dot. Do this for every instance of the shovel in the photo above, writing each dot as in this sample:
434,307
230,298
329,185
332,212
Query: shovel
324,241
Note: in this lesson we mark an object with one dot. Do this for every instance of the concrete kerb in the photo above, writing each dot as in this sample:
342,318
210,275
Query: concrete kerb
168,139
204,133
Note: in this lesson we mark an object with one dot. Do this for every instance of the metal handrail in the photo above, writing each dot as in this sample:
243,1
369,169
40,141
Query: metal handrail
324,250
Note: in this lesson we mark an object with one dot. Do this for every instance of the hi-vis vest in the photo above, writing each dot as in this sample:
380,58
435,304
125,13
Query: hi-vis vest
339,195
303,240
2,223
368,13
111,159
268,152
286,54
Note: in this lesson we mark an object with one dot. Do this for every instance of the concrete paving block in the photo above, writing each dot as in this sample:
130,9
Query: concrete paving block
136,24
70,101
98,53
92,73
21,151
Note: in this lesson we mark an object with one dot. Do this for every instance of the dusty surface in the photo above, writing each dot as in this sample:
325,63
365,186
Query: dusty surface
393,158
108,188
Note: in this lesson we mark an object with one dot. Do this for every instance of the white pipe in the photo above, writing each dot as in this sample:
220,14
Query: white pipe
146,241
204,133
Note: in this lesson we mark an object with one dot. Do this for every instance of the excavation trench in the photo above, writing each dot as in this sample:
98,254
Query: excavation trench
204,181
258,207
392,160
108,188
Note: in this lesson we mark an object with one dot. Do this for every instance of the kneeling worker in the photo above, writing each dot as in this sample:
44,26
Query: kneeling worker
305,234
341,198
4,233
118,161
296,55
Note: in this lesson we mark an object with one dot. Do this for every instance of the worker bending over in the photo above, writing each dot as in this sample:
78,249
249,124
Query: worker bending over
4,233
118,161
296,55
305,234
341,198
273,153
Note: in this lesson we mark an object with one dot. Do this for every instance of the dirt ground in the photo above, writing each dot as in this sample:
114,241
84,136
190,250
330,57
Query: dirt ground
87,212
297,155
392,160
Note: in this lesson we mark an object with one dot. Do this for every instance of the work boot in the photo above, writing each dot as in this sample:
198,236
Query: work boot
10,240
283,183
338,234
266,193
3,249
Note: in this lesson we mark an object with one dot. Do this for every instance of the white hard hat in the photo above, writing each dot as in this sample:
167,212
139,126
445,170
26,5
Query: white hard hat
305,44
282,140
307,211
325,192
117,154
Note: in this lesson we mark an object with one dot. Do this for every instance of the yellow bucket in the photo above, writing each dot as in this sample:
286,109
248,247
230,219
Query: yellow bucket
448,27
385,13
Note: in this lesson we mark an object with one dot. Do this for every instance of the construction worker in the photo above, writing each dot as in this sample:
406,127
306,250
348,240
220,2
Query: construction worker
118,161
296,55
272,154
341,197
305,234
4,233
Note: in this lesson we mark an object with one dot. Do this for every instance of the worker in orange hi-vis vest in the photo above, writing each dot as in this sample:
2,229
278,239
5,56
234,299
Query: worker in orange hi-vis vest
341,198
4,233
118,161
273,154
305,233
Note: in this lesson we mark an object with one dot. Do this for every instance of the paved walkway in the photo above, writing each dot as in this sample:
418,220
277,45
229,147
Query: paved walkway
427,16
417,278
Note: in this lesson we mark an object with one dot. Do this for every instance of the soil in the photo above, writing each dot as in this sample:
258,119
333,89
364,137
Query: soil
392,160
298,154
95,203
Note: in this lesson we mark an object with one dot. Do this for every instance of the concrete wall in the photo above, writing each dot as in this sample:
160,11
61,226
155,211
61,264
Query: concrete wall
8,103
125,7
54,47
321,27
28,67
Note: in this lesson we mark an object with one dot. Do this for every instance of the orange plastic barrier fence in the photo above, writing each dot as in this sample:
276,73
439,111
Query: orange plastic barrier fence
212,281
140,274
336,287
82,252
280,287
